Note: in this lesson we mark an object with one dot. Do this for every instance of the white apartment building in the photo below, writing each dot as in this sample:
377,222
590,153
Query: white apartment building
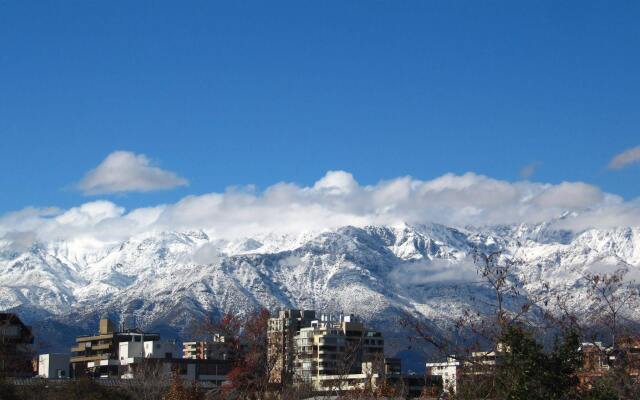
128,352
479,363
332,347
448,370
131,353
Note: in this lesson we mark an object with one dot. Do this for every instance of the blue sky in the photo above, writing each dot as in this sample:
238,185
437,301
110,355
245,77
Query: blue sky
262,92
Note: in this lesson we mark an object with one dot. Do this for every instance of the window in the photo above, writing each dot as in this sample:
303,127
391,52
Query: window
137,338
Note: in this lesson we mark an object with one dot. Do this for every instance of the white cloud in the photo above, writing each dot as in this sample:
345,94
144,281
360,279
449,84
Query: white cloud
337,199
435,271
626,158
337,182
206,254
570,196
124,171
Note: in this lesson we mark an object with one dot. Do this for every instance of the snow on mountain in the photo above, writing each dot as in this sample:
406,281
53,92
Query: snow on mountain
165,280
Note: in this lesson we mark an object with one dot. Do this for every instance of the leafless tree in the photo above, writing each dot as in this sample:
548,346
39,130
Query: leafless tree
150,380
245,341
613,296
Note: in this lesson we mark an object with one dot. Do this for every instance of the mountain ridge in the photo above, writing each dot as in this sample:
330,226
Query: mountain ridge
167,280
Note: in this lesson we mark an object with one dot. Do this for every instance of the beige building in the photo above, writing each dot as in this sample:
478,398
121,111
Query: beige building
98,355
368,376
327,352
214,349
280,333
336,347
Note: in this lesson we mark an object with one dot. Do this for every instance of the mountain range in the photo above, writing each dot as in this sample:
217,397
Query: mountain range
167,281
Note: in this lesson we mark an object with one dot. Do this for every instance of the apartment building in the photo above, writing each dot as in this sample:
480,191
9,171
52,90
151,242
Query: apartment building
598,360
280,347
595,363
98,355
368,376
214,349
448,371
336,347
627,356
478,363
130,352
16,341
208,373
161,358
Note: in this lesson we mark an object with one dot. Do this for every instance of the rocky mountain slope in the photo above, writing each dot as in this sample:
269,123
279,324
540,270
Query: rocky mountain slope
164,280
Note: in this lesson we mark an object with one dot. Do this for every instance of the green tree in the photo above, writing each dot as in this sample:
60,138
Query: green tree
602,390
527,372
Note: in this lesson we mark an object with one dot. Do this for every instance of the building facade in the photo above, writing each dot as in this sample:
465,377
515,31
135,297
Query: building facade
98,355
132,351
214,349
280,347
208,373
449,371
53,366
335,346
16,342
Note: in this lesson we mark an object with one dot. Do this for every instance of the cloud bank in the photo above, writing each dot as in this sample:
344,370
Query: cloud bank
337,199
427,271
124,171
626,158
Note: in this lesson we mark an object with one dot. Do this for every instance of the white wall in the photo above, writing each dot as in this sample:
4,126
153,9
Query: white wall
53,366
448,372
159,348
130,350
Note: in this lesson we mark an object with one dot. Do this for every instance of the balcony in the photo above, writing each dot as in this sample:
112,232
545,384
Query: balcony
87,358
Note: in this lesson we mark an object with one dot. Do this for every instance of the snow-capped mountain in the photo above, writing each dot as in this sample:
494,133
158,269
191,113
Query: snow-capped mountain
166,280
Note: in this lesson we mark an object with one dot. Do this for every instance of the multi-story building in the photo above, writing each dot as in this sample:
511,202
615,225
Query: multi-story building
16,340
208,373
626,355
280,347
368,376
595,363
478,364
214,349
130,352
97,355
449,371
598,360
335,347
158,359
